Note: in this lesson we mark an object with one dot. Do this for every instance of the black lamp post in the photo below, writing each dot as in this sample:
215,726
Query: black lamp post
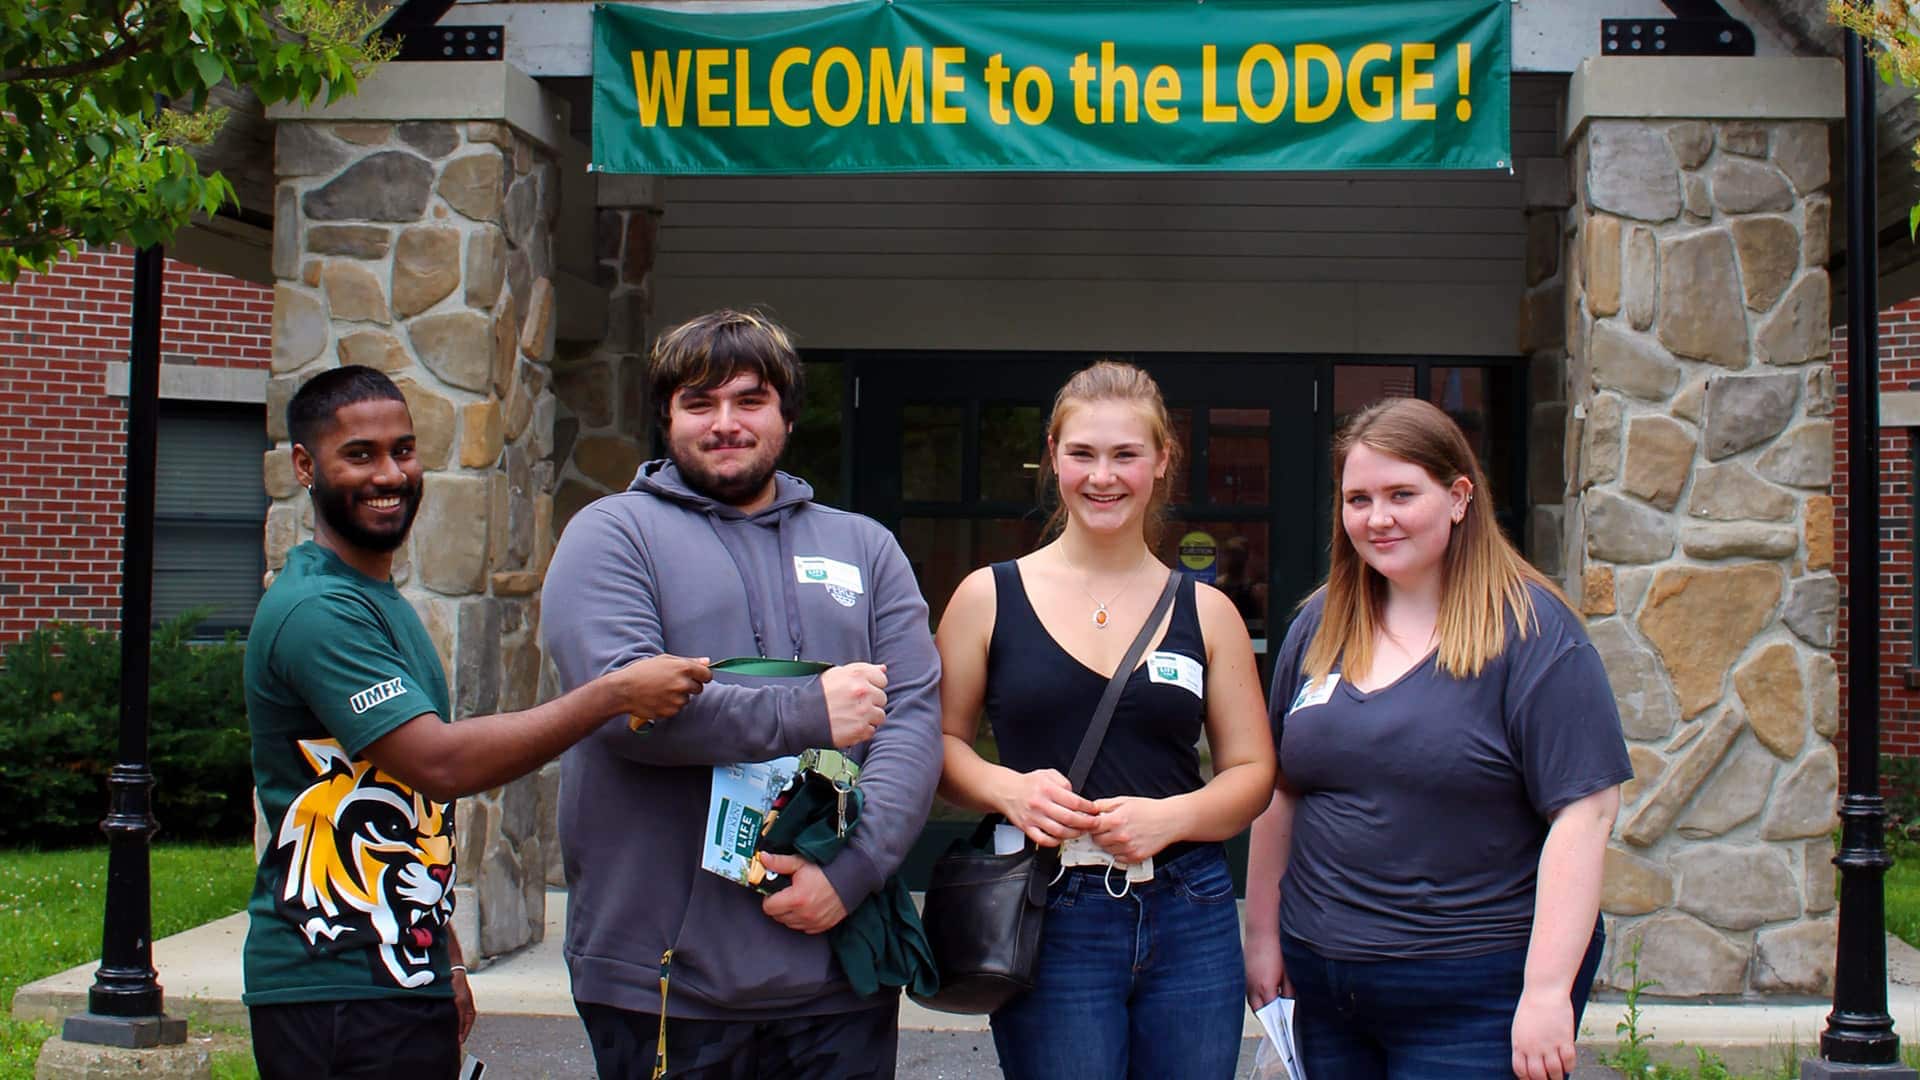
125,1006
1859,1040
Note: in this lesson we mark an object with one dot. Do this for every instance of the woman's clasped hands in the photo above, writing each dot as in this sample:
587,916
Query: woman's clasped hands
1044,806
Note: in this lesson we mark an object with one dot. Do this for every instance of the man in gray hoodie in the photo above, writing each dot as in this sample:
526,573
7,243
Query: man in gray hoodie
713,553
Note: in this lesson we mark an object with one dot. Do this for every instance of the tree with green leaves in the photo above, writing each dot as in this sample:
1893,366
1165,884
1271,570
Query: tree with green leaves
102,101
1893,39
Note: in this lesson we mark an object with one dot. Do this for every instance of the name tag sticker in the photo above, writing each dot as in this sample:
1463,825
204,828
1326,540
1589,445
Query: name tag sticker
1177,670
842,579
1315,693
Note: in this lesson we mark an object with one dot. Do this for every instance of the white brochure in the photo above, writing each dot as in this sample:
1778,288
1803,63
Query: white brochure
1277,1053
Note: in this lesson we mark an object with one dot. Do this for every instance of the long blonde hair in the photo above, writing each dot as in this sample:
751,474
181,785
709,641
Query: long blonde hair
1483,578
1111,380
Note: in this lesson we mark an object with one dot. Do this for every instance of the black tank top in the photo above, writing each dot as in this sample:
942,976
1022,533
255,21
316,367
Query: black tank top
1040,700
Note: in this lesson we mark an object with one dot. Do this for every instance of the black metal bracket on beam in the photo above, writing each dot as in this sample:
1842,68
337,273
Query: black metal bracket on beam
454,43
1699,28
415,25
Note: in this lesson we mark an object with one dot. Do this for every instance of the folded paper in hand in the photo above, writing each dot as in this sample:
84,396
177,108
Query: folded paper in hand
1277,1058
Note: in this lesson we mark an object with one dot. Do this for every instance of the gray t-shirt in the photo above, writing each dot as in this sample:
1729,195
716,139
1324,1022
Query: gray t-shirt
1424,804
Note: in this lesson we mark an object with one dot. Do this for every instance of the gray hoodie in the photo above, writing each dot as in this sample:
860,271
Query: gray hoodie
661,568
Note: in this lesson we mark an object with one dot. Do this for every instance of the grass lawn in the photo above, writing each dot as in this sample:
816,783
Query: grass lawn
1903,894
50,912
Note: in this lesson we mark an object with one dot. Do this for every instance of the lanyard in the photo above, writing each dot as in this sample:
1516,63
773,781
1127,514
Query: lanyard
783,572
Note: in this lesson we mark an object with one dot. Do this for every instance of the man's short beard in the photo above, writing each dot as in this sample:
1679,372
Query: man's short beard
335,507
731,491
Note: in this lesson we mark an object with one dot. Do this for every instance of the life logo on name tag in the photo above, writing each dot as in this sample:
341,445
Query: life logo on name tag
1314,693
841,579
1177,670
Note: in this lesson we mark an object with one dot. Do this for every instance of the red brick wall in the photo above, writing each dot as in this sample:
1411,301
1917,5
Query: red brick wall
62,470
1899,370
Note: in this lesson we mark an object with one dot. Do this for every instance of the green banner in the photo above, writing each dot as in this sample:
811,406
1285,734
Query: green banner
1049,85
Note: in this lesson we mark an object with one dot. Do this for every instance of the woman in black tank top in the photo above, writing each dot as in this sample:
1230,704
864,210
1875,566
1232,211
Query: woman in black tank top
1140,971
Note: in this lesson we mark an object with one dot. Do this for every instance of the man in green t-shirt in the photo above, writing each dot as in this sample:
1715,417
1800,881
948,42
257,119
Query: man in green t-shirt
351,965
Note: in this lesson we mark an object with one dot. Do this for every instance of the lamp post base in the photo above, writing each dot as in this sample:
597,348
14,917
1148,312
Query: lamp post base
61,1059
126,1032
1821,1069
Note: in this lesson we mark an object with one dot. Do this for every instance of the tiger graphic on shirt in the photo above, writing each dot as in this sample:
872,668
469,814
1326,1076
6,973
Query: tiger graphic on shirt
365,862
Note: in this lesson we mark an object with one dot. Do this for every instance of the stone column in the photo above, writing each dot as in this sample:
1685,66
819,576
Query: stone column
1545,312
604,428
413,234
605,423
1699,518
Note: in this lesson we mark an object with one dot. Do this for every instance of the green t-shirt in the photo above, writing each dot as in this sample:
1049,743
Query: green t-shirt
355,891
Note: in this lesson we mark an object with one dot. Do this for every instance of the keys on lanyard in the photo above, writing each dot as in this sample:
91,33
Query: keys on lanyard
839,770
841,789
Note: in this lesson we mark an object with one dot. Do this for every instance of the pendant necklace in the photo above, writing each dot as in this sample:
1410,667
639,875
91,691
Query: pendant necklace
1100,615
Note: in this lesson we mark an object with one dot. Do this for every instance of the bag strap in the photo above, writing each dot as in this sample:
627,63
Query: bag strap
1097,727
1103,715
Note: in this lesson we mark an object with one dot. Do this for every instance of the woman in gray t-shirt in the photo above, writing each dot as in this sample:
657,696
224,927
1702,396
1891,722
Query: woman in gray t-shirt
1426,882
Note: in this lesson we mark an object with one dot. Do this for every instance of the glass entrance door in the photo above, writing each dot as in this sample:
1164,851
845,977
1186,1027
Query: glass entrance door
947,451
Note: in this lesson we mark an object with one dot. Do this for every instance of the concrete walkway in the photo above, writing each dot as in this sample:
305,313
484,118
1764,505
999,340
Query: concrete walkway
200,971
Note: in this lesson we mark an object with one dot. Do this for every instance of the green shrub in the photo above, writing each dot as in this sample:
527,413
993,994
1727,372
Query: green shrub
1900,781
60,734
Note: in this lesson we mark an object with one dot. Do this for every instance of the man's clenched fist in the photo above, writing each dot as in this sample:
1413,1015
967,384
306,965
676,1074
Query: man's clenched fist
856,701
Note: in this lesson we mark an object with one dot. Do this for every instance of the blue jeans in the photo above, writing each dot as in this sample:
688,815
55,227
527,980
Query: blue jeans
1148,985
1438,1019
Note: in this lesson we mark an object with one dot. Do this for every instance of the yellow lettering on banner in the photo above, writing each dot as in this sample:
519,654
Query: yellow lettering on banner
944,83
1463,109
668,88
1413,80
709,86
1030,108
1162,95
1121,75
744,114
1380,108
1082,75
1210,112
837,57
997,74
897,88
1305,57
1263,53
777,86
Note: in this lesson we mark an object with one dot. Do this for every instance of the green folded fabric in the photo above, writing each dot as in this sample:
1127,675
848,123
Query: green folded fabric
758,666
880,943
768,668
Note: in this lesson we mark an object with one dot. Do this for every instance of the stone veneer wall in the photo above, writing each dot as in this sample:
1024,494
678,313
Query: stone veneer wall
1699,538
424,249
604,423
1542,339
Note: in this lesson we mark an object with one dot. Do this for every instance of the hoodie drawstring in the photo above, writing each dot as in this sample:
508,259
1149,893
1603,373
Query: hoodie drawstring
784,572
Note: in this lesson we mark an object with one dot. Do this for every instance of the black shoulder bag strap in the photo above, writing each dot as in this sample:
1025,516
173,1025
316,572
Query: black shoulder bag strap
1097,728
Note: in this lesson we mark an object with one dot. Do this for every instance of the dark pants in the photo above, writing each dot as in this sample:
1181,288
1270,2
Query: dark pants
381,1039
838,1046
1442,1019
